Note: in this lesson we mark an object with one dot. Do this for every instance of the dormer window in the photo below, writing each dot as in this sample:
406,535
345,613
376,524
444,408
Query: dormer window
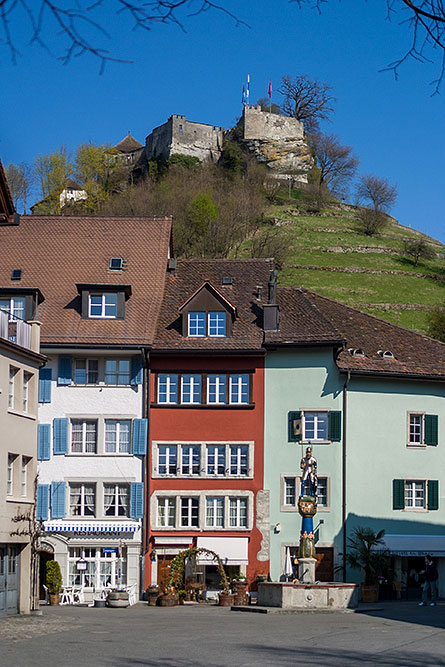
207,314
217,324
103,305
15,306
211,324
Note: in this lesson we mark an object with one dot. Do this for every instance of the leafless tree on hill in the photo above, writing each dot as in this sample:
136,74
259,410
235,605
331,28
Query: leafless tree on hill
307,100
418,249
381,195
336,164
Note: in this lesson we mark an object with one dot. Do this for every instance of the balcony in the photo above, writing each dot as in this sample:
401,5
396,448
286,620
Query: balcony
16,330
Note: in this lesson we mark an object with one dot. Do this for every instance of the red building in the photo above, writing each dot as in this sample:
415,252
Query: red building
205,463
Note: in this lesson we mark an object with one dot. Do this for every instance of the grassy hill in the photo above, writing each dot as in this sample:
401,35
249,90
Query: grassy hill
329,254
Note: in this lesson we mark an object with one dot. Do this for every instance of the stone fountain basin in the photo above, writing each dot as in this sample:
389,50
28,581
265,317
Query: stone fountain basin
318,595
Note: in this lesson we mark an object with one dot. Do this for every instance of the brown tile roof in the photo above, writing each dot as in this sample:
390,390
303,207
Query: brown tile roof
128,144
414,354
72,185
56,252
7,208
189,275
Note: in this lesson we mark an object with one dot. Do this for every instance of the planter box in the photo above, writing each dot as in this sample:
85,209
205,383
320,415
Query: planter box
117,599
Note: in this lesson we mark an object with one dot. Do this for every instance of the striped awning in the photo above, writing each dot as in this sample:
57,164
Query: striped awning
90,526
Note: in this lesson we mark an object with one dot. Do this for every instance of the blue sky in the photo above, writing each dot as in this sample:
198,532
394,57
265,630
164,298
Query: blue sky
395,127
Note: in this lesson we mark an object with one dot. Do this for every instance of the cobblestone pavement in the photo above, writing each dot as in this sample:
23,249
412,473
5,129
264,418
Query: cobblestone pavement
392,635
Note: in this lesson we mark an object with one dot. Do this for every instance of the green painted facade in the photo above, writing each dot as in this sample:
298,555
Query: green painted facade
377,453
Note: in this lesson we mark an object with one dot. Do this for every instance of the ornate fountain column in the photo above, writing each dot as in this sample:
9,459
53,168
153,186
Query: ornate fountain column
307,507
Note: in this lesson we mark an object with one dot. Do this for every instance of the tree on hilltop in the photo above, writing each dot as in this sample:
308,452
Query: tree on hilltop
436,327
307,100
20,179
336,164
381,195
418,249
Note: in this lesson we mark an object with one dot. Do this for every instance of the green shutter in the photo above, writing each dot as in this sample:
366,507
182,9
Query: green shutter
334,425
431,430
294,426
433,494
398,494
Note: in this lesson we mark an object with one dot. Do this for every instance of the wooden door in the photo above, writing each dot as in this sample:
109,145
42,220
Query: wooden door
164,563
324,567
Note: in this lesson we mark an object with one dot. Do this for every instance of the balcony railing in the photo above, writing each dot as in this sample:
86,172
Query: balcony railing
14,329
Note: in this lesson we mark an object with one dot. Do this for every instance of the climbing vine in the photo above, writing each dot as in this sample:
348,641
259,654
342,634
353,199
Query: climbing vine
177,567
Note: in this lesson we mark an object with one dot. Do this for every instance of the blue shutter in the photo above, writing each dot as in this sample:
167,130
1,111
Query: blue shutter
45,377
42,502
137,500
136,371
65,370
60,435
58,494
140,430
43,442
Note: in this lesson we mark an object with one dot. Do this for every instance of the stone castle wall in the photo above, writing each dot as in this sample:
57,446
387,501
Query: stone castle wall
179,135
259,124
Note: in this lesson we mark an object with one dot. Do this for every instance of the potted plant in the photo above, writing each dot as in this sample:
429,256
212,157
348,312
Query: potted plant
152,594
118,598
239,588
53,581
364,555
181,596
168,598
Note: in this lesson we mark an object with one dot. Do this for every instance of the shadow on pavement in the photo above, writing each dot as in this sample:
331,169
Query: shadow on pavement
408,612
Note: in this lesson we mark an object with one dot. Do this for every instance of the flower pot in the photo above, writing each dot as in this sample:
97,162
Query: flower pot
117,599
152,597
226,600
239,588
370,593
167,601
54,598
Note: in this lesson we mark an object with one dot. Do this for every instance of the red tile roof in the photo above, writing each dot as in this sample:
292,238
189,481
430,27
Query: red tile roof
247,275
7,208
128,145
56,252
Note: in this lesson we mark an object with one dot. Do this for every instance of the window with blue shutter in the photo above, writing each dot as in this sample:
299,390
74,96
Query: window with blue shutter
45,377
60,435
294,426
42,502
334,425
432,430
65,370
43,442
398,494
140,430
136,371
58,498
136,500
433,494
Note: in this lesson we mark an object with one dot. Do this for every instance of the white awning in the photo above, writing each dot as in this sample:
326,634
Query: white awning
415,545
231,550
161,540
90,526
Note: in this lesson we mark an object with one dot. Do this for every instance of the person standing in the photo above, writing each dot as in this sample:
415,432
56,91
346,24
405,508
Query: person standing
431,575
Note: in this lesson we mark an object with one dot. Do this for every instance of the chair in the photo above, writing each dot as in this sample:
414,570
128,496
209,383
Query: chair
78,597
66,596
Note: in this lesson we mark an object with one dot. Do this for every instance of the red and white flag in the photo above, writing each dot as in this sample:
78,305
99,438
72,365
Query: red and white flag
269,92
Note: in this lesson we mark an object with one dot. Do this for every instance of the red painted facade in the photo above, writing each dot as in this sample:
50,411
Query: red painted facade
214,424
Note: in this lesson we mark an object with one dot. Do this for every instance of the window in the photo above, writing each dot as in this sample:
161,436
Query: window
415,496
166,512
103,567
190,460
238,513
422,429
239,389
15,306
196,324
24,476
117,371
116,499
103,305
322,492
190,389
117,436
217,324
239,460
82,499
83,437
26,384
216,389
167,459
10,475
216,460
315,426
86,371
167,389
12,382
189,512
290,491
215,512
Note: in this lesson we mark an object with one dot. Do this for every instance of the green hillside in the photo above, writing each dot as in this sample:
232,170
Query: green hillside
329,254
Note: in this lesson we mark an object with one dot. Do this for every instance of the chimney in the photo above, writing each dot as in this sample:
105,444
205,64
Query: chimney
270,309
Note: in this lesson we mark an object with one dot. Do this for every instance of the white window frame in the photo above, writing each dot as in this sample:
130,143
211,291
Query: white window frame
168,503
103,305
236,383
27,379
83,504
421,416
169,394
10,474
238,502
214,503
414,507
24,476
13,371
238,462
218,313
194,381
294,481
117,495
217,463
220,381
172,455
92,555
118,432
204,459
13,308
285,507
83,443
190,508
88,372
187,452
195,325
315,412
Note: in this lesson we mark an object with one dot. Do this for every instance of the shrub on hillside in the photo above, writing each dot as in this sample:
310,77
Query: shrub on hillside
436,328
371,222
418,249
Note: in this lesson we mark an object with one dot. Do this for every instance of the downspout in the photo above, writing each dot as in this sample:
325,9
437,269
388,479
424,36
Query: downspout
343,506
145,477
